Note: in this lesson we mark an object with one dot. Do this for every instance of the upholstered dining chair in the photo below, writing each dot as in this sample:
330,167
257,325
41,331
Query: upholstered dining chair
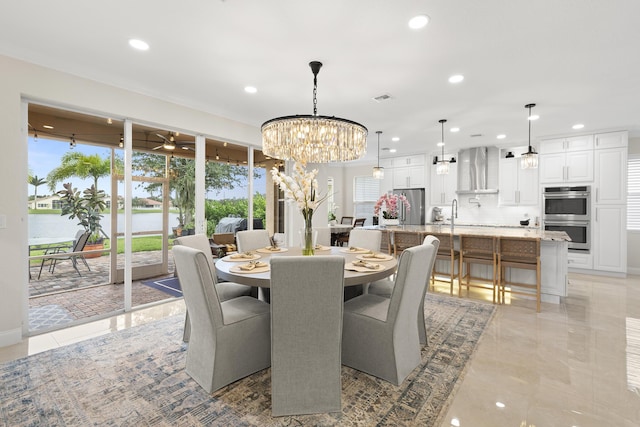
250,240
366,239
225,290
306,334
384,288
380,335
324,236
230,339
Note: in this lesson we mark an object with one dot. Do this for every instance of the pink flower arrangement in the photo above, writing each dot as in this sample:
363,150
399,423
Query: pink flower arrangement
392,204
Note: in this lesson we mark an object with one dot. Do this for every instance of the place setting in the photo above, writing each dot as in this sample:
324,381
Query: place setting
242,256
355,250
321,248
362,266
374,256
250,267
273,249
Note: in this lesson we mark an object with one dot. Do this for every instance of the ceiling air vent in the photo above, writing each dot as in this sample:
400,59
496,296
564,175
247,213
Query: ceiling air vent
382,98
475,135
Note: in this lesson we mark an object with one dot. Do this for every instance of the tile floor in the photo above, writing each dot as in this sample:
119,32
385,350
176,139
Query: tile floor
576,364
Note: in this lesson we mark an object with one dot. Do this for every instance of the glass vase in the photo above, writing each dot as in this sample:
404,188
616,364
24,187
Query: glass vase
308,241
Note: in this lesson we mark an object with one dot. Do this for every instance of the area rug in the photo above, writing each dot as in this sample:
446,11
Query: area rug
137,377
169,285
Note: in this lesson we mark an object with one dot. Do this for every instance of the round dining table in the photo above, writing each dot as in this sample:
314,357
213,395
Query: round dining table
263,279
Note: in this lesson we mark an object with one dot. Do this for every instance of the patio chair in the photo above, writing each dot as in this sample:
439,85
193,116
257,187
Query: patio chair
77,246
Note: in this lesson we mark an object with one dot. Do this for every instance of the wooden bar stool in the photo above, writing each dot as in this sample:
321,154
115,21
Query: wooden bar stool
385,242
478,250
404,240
446,252
523,253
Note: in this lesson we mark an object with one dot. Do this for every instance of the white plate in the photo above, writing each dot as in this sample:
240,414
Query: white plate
322,248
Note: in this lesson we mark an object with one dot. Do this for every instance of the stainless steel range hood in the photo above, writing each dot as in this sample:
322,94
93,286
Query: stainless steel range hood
473,170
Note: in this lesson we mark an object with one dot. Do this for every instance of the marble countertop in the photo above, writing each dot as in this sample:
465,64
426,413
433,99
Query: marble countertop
484,230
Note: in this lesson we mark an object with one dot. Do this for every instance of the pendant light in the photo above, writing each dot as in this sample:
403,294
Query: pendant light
443,165
313,138
378,172
530,158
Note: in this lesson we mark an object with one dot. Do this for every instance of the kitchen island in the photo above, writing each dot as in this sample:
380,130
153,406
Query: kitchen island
553,253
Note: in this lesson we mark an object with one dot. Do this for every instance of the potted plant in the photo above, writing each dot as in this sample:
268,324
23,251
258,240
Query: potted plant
87,208
391,203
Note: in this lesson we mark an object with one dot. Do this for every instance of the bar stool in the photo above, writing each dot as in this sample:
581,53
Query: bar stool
478,250
385,242
446,252
522,253
404,240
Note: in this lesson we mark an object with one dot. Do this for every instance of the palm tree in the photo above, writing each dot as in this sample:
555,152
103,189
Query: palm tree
79,165
36,182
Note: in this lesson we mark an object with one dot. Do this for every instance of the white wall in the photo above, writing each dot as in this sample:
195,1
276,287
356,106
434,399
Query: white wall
21,80
633,237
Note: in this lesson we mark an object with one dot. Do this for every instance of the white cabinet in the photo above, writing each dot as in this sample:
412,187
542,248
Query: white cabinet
610,176
566,160
611,139
408,172
443,187
609,242
517,186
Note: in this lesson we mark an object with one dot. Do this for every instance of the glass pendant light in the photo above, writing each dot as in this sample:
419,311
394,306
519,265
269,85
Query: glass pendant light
530,158
378,171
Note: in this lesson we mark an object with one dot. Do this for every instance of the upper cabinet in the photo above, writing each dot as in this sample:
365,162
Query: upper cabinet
518,187
566,160
408,172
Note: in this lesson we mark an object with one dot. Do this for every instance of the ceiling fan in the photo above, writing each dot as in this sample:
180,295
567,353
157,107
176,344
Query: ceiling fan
169,142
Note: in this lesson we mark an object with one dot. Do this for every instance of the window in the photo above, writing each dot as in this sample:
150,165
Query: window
365,194
633,196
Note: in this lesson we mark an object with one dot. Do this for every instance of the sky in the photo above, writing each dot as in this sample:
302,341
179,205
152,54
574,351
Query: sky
44,155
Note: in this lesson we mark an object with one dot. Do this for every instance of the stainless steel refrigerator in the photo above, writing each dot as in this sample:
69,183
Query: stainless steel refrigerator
415,197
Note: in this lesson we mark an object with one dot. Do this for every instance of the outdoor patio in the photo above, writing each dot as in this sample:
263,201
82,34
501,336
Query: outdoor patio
65,297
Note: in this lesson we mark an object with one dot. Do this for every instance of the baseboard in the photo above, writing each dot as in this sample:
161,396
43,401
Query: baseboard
598,273
10,337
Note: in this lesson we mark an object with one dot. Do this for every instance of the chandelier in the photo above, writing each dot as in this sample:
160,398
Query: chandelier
530,158
378,171
442,166
313,138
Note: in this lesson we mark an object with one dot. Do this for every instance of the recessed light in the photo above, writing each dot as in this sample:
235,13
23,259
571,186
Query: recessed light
454,130
419,21
456,78
47,126
250,89
500,405
455,422
392,150
534,117
578,126
395,139
501,136
138,44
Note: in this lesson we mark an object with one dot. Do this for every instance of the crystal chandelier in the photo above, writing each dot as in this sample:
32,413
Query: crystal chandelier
313,138
530,158
378,171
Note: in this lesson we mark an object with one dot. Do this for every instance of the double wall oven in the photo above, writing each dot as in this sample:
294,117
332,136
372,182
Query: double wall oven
568,209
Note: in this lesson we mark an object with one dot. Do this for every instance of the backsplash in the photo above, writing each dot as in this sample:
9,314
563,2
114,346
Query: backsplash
489,212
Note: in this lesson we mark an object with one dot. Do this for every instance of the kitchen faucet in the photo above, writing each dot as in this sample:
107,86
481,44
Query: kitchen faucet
454,213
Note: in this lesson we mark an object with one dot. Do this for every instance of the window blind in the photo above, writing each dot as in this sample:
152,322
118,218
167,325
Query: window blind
633,193
366,191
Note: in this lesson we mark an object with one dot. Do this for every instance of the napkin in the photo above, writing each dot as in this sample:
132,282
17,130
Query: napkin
273,248
252,265
374,256
365,264
243,255
354,249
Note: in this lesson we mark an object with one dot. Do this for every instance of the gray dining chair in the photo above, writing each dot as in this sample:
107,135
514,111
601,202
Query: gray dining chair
306,334
367,239
225,290
380,335
250,240
229,340
324,236
384,288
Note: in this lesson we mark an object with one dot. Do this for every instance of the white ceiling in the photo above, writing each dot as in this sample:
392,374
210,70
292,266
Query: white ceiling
578,60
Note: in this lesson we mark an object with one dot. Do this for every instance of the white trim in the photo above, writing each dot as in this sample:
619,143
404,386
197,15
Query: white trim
10,337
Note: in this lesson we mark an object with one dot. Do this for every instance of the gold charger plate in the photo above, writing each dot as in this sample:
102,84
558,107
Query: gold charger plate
360,269
269,251
230,258
237,269
357,251
379,257
322,248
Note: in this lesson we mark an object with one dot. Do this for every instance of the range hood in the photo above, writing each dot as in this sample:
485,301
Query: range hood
478,170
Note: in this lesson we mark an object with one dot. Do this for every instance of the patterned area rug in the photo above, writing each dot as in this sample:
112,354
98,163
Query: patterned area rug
137,377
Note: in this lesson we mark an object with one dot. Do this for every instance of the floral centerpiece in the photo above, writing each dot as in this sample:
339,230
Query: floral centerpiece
392,203
300,188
